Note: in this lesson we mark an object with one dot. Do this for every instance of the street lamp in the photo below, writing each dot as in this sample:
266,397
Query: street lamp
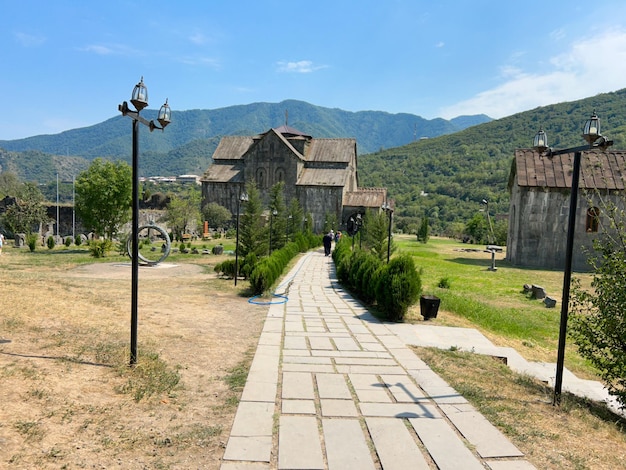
139,99
591,134
389,210
242,198
273,214
289,218
490,237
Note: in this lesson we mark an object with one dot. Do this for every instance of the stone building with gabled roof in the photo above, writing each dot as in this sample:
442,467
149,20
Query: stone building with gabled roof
540,188
320,173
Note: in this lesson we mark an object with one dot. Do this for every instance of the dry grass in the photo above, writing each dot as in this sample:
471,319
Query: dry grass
69,400
577,435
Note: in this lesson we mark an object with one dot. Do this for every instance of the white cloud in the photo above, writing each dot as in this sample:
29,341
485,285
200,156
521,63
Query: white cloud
202,61
590,66
198,39
110,49
302,66
29,40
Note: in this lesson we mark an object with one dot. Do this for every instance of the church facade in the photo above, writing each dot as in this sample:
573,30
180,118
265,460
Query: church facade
320,173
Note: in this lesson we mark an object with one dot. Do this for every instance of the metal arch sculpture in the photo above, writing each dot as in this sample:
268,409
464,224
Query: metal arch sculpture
165,253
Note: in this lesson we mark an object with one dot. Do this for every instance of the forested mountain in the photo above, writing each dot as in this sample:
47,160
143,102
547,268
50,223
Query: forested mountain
443,177
191,138
447,177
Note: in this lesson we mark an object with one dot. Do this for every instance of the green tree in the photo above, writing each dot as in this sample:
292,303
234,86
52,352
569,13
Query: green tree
278,223
253,234
295,220
375,233
104,196
183,211
476,229
217,216
28,212
598,317
9,184
422,232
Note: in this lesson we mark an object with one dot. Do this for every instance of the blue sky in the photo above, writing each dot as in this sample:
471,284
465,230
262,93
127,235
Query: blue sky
69,63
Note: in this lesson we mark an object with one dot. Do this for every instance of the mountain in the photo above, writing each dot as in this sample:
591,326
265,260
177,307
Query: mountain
191,138
446,178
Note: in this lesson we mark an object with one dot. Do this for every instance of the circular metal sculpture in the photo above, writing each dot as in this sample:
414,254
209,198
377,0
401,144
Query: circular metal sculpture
165,250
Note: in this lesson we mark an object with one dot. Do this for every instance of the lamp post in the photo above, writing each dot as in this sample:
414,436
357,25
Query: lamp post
242,198
273,214
389,210
139,99
289,218
490,237
591,134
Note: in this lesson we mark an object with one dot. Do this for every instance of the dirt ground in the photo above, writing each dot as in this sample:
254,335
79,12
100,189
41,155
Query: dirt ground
66,391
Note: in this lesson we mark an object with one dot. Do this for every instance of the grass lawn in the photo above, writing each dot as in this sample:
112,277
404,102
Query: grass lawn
493,301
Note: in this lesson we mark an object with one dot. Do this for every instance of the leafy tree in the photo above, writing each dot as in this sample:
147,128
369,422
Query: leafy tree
476,229
217,216
104,196
183,211
598,317
9,184
253,235
28,212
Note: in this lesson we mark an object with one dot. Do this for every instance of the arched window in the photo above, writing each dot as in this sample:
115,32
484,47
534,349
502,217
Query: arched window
279,175
593,219
261,178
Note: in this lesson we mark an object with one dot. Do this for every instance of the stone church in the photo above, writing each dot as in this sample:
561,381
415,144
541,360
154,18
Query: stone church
539,205
320,173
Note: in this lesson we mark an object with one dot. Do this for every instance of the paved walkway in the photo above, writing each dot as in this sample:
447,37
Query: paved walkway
332,387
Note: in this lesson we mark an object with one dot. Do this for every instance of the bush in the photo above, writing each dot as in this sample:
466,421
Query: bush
78,240
444,283
31,241
226,268
68,241
50,243
398,288
99,248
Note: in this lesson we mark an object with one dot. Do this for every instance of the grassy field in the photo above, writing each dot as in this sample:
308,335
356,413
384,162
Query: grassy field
493,301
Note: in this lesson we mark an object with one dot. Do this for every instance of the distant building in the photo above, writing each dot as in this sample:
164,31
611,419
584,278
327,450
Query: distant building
539,208
320,173
188,179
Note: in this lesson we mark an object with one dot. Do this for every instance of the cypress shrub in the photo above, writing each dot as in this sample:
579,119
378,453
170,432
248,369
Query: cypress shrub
226,268
399,287
367,282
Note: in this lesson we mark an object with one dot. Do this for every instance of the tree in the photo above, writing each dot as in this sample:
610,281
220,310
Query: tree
9,184
598,317
104,196
216,216
28,212
279,221
476,229
375,233
253,235
422,232
183,211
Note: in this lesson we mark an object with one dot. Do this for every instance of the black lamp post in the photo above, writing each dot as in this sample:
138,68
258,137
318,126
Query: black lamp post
139,99
242,198
389,210
289,219
273,214
591,134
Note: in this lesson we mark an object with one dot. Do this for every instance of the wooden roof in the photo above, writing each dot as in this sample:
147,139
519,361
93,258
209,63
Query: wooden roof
232,147
366,197
331,150
598,170
323,177
223,173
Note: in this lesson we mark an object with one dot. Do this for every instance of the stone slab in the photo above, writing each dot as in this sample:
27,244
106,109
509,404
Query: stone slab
346,446
338,408
298,385
253,419
332,386
396,448
299,445
252,448
399,410
298,407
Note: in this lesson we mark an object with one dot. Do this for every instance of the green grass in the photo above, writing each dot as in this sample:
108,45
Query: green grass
493,301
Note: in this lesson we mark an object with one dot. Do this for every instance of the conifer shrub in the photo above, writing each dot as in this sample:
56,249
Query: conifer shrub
225,268
398,288
50,242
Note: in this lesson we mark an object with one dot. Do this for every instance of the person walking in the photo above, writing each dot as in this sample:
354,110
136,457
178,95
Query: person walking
327,240
1,242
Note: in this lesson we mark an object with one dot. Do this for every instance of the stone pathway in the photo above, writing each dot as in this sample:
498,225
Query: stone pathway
331,387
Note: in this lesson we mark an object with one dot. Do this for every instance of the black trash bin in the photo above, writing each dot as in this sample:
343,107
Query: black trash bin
429,306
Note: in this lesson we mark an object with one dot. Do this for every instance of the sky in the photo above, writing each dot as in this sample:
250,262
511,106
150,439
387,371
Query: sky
66,64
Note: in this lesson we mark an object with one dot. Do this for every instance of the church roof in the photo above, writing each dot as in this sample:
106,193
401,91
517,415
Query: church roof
331,150
223,173
598,170
290,131
323,177
365,197
232,147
